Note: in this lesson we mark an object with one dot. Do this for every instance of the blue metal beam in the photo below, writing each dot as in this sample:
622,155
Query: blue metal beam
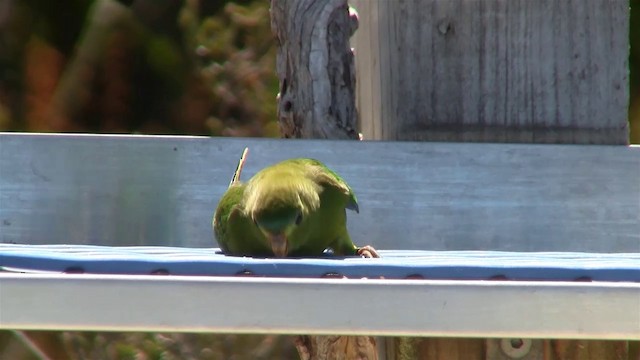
394,264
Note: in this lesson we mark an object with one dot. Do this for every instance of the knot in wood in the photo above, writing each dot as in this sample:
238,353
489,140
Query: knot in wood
445,26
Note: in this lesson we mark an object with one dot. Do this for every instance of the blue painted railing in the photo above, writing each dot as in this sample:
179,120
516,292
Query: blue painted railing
452,265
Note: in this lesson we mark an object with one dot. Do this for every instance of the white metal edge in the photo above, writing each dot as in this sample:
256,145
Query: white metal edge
320,306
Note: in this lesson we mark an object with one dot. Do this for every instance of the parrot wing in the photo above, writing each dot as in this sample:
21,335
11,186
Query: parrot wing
326,177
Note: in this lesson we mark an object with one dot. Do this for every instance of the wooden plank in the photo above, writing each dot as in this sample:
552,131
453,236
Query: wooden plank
506,349
587,350
435,349
139,190
367,87
494,70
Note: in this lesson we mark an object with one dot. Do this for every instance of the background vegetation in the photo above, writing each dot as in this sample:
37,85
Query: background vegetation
146,66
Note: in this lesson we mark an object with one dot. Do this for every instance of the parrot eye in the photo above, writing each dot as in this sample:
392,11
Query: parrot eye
299,219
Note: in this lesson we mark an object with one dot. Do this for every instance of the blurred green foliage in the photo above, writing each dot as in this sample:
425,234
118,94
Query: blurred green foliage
143,346
144,66
135,346
236,54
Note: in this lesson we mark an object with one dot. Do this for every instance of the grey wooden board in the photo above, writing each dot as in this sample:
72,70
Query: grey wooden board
154,190
493,70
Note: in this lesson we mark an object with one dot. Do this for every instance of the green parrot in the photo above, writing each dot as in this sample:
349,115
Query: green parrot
293,208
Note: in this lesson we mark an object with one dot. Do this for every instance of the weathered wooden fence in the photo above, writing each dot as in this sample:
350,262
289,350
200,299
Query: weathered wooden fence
548,71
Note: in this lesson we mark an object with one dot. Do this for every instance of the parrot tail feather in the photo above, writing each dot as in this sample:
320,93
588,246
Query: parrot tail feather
236,175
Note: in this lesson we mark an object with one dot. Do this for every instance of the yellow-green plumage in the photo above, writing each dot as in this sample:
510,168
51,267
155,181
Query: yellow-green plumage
293,208
236,233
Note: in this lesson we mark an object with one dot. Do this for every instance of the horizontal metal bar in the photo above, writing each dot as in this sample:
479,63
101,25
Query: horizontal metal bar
320,306
394,264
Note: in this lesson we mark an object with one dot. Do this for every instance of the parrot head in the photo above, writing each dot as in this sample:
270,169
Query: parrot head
277,226
281,208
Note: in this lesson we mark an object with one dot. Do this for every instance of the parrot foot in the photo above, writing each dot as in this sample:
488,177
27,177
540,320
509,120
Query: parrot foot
367,252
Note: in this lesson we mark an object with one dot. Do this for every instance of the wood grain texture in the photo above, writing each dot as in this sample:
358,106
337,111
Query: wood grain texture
336,347
588,350
315,68
543,71
435,349
498,349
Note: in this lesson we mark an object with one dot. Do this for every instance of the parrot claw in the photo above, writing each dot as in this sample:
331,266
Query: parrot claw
367,252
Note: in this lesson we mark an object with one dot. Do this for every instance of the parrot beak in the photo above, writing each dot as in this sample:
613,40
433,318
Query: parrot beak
279,244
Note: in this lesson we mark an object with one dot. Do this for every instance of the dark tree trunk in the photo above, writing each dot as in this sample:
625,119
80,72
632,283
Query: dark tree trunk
316,68
317,100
